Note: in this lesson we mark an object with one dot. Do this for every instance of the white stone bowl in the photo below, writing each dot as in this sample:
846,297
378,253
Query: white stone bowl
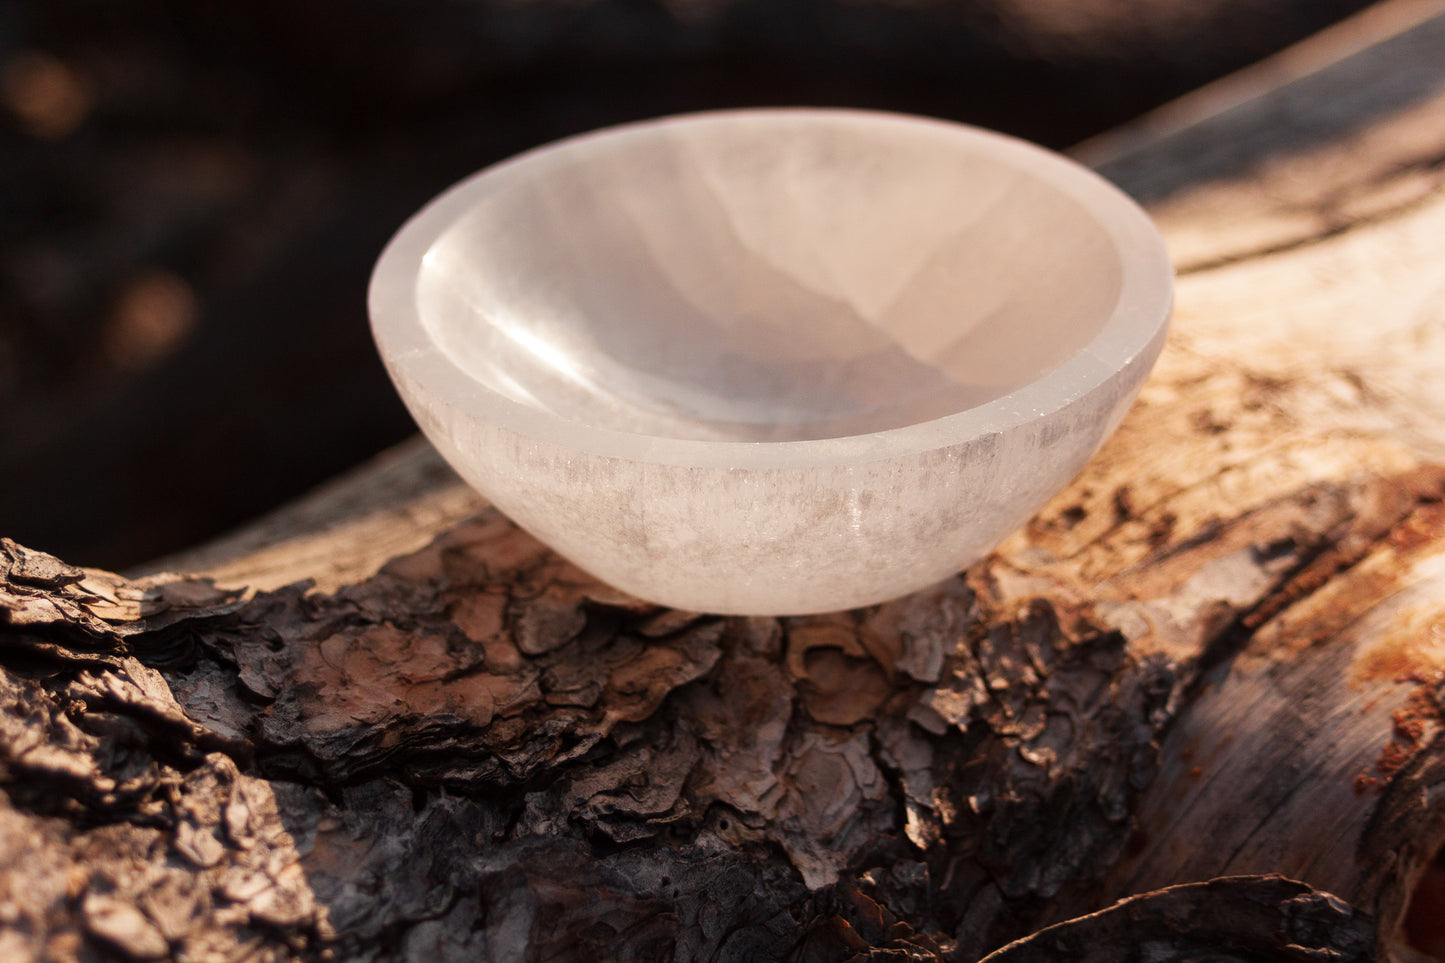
773,361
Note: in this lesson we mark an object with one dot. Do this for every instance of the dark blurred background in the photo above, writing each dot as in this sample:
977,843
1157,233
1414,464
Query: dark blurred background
193,193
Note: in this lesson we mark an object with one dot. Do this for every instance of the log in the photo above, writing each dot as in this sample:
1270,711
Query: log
1192,710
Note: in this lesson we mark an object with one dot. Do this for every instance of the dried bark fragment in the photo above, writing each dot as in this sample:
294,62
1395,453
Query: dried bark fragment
703,736
687,742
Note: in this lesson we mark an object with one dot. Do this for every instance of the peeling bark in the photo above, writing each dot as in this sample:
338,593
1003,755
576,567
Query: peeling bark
388,724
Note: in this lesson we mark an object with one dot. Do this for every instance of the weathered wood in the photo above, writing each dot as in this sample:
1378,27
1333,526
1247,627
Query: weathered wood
343,532
1217,654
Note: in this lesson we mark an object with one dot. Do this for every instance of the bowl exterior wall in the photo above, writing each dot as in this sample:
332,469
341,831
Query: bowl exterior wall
779,541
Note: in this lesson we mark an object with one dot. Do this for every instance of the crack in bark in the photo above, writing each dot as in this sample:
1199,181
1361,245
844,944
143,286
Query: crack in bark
1325,559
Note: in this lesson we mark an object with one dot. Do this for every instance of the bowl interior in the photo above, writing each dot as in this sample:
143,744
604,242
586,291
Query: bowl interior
755,279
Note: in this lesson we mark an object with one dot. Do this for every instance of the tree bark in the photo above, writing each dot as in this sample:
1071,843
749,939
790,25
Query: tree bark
385,723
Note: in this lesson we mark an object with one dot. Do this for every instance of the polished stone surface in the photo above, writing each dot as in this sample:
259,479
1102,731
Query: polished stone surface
773,361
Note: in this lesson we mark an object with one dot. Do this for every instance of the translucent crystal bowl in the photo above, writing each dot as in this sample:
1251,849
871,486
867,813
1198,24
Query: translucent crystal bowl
774,361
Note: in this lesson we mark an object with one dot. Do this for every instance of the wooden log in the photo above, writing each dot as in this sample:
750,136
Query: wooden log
387,724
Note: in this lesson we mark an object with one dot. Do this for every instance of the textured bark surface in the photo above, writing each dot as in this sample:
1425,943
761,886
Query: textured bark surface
388,724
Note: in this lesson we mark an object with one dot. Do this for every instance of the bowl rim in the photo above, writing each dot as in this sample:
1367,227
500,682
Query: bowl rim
1134,328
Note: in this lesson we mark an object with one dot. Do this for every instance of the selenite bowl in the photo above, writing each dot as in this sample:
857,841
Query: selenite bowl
773,361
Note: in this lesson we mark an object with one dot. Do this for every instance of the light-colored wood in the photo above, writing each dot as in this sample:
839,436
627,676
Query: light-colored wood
1337,131
342,532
